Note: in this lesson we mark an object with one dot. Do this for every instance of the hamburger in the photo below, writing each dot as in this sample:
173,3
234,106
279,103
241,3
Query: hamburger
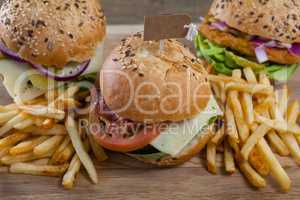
263,35
46,44
153,104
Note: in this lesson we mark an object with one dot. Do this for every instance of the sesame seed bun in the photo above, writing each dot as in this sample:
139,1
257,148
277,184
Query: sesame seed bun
271,19
52,33
141,83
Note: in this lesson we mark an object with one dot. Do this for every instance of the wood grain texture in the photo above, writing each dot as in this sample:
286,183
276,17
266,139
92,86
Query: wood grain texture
124,178
133,11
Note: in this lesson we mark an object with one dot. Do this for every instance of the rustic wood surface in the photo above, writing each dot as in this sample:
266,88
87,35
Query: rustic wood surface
133,11
124,178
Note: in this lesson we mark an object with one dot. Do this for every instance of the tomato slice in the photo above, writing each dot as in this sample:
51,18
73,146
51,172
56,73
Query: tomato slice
113,140
117,142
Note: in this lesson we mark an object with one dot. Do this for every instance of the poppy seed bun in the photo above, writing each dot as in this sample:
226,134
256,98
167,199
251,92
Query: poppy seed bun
271,19
52,33
141,83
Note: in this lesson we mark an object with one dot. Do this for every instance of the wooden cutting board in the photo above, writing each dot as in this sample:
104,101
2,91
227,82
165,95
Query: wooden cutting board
124,178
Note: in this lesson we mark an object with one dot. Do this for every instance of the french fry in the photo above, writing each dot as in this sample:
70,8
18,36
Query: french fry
51,95
278,125
236,107
51,143
283,100
247,105
255,159
222,92
259,133
289,139
26,146
10,107
263,78
228,158
258,162
292,115
276,170
231,129
4,151
211,151
70,175
291,143
252,176
12,139
277,144
216,90
225,79
66,104
42,161
292,112
98,151
218,137
65,155
44,111
79,148
60,149
10,124
37,101
246,99
38,121
274,140
39,170
24,124
250,75
26,157
6,116
57,129
48,123
250,88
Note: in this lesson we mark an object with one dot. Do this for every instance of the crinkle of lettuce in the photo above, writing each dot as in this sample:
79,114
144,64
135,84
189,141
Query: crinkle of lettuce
225,61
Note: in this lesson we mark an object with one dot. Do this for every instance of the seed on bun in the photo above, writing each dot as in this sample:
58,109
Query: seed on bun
153,102
272,19
141,82
52,33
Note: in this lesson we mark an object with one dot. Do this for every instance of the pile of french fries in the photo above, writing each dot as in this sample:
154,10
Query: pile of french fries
259,123
42,137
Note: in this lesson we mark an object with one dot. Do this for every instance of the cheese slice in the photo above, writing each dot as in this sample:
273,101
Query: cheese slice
177,136
17,74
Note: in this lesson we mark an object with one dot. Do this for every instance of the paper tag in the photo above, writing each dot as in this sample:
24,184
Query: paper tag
166,26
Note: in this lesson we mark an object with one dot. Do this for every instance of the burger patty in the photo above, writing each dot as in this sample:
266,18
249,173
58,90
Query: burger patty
246,47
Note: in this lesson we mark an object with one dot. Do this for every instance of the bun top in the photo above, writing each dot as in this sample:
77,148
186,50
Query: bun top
142,83
52,33
271,19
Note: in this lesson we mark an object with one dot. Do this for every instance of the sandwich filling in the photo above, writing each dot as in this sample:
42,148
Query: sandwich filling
149,141
25,83
227,48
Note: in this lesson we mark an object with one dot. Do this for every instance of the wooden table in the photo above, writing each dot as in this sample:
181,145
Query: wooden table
124,178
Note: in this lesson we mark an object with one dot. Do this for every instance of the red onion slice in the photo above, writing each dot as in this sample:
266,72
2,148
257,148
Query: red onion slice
261,54
75,72
9,53
72,73
222,26
295,49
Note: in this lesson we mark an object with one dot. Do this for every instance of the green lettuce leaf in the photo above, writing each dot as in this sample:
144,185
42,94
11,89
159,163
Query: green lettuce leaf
225,61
